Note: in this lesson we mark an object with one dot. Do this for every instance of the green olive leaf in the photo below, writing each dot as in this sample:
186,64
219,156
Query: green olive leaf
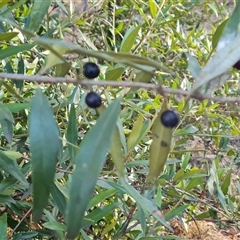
45,145
6,121
160,146
139,130
89,162
115,147
129,38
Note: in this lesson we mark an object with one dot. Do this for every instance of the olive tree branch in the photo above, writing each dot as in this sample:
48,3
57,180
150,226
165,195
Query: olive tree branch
159,89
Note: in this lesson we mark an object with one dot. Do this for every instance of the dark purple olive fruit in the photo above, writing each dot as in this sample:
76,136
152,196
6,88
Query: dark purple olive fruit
169,119
237,65
91,70
93,100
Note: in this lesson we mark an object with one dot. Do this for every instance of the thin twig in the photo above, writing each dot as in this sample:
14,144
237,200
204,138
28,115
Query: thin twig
64,171
129,218
198,199
214,220
26,214
161,90
194,220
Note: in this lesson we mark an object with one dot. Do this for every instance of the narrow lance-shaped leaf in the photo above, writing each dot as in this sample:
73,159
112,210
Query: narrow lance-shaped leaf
59,199
193,65
38,11
218,33
72,133
117,152
115,147
139,130
219,64
153,8
114,73
89,162
9,69
8,36
10,166
129,38
135,61
17,107
226,56
160,146
146,204
231,29
100,197
62,69
142,76
44,146
21,70
3,226
53,59
226,183
9,51
175,211
6,120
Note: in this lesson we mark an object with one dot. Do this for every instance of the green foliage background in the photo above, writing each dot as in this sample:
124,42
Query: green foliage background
81,173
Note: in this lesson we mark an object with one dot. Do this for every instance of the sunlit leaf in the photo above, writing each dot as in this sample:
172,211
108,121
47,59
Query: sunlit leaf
219,64
101,197
99,213
194,183
227,53
160,146
135,61
139,130
10,51
116,147
218,33
114,74
226,183
55,57
62,69
171,237
222,199
175,211
142,76
129,39
153,8
38,11
231,28
55,226
7,36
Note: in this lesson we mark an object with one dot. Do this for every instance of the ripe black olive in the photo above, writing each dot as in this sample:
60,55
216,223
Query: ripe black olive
169,119
237,65
91,70
93,100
